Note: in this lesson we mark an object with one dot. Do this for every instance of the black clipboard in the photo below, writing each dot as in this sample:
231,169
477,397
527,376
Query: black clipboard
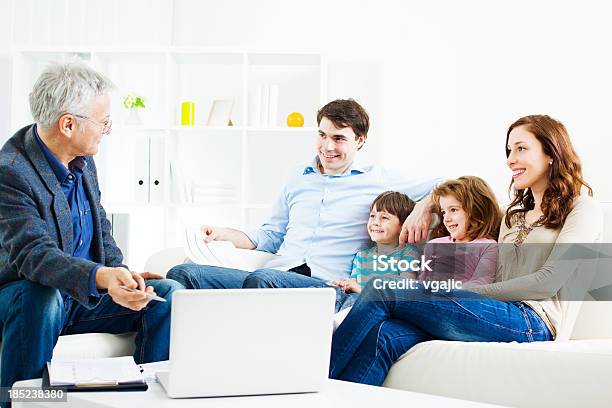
46,384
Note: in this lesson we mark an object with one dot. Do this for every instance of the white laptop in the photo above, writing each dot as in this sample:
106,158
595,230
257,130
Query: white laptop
229,342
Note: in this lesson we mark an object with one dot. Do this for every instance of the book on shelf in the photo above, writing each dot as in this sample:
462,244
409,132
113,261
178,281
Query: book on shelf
273,106
264,112
255,111
265,105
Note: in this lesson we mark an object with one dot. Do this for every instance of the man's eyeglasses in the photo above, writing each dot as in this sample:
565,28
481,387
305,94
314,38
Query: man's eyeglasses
106,126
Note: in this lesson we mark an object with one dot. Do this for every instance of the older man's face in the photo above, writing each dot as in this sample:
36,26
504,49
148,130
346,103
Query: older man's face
86,139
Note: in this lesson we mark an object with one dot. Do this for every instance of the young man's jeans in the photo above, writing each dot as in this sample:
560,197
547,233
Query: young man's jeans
194,276
385,323
33,316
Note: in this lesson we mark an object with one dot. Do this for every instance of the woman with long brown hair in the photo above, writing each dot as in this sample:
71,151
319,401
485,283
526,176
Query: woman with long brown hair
529,300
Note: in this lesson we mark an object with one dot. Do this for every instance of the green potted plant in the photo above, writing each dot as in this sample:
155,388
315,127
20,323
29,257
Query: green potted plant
133,103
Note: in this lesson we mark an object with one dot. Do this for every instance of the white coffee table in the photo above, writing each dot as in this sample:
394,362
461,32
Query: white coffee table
337,394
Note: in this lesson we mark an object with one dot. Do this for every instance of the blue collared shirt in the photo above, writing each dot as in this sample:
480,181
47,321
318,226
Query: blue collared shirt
320,219
71,181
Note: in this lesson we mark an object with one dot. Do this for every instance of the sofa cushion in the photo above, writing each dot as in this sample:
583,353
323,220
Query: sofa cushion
513,374
94,345
593,320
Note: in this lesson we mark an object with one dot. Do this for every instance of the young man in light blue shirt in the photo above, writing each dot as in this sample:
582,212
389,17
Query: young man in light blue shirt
319,219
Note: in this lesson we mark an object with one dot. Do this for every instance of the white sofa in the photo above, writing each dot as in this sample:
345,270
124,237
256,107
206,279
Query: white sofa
557,374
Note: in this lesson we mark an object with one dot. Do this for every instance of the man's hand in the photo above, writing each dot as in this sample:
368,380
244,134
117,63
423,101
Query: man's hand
416,226
212,233
112,278
151,275
236,237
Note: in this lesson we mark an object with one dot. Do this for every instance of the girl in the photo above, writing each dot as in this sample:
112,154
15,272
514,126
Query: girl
466,249
529,300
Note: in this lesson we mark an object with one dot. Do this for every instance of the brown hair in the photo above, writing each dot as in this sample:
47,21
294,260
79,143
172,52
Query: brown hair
564,177
394,203
346,113
478,201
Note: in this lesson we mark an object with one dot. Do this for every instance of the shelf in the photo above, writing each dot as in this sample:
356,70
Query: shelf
56,55
206,128
258,58
127,207
204,50
138,57
307,129
276,58
120,207
137,128
53,50
208,58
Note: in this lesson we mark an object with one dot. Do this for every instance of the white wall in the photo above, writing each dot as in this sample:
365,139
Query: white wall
442,80
497,62
5,42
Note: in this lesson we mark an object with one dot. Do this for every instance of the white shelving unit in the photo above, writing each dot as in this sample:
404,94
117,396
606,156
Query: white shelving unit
242,167
136,51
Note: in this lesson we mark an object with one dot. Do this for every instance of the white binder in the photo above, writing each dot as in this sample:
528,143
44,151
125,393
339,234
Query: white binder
157,170
141,169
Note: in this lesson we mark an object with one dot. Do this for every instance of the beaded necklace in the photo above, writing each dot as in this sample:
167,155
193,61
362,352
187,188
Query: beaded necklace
524,229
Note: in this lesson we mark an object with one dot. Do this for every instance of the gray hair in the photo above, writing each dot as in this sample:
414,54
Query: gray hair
65,88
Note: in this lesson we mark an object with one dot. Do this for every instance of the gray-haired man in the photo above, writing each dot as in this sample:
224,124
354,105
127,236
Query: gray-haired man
58,261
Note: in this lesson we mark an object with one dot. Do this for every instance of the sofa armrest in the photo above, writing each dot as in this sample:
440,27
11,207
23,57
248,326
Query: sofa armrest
162,261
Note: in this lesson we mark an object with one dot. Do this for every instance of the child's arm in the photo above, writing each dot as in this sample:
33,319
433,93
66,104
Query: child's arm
486,267
356,268
408,275
410,253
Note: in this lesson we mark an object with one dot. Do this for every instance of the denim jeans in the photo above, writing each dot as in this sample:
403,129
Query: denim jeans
194,276
385,323
33,316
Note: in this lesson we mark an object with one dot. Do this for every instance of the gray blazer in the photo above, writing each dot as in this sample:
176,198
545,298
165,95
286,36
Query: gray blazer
36,226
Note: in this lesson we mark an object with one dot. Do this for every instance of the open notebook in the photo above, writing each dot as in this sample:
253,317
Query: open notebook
96,373
220,253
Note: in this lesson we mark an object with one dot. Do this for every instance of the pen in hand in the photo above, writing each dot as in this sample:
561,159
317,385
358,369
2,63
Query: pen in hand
149,295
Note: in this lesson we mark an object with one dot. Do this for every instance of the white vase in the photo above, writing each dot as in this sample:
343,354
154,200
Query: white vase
133,117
